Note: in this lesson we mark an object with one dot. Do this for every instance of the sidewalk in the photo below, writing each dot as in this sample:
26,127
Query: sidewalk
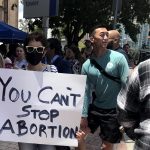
8,146
93,143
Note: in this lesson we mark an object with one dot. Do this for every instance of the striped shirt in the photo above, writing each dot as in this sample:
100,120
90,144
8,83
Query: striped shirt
50,68
134,106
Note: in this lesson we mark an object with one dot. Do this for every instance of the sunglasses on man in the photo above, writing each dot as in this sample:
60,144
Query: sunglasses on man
39,49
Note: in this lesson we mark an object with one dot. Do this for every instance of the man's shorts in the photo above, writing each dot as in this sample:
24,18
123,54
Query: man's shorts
107,120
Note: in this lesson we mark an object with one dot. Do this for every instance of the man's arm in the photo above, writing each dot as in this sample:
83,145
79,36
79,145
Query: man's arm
128,104
123,69
88,90
87,99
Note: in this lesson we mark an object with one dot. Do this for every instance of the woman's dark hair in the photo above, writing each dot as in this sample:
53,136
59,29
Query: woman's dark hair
3,50
75,50
37,36
54,43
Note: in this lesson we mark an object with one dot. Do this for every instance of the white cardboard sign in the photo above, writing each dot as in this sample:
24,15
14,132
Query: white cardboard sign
40,107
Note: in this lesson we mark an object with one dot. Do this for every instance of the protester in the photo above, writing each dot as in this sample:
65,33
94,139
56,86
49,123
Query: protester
12,51
1,61
104,105
8,63
54,56
20,60
88,48
3,50
126,47
114,40
113,44
34,48
86,51
72,54
134,106
7,60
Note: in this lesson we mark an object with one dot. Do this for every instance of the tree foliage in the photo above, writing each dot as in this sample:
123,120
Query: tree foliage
76,17
134,13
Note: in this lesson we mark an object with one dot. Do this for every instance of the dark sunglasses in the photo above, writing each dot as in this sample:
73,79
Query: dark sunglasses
39,49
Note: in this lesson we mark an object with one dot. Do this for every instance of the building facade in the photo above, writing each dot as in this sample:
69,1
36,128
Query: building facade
9,12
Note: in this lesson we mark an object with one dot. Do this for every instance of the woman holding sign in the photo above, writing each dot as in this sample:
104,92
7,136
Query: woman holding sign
34,48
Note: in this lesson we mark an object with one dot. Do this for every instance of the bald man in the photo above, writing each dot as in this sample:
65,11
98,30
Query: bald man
113,43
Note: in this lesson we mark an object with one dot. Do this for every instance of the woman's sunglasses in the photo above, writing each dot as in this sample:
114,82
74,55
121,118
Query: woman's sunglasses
39,49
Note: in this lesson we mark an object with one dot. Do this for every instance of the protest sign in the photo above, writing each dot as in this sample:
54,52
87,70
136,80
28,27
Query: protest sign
40,107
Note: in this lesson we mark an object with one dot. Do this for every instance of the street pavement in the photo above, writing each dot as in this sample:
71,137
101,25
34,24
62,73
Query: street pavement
93,143
8,146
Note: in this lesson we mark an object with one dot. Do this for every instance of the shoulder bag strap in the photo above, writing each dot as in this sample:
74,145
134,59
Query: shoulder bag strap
116,79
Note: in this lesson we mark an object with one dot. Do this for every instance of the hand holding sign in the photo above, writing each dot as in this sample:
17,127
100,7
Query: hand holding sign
40,112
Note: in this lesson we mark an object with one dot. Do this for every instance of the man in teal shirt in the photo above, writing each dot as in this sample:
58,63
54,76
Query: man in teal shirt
106,89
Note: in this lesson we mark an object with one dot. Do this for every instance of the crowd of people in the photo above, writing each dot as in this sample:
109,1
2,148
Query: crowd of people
115,98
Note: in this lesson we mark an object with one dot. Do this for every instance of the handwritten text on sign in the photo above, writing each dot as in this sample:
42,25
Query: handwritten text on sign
37,107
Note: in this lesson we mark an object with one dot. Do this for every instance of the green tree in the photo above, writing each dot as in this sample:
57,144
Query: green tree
134,13
76,17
